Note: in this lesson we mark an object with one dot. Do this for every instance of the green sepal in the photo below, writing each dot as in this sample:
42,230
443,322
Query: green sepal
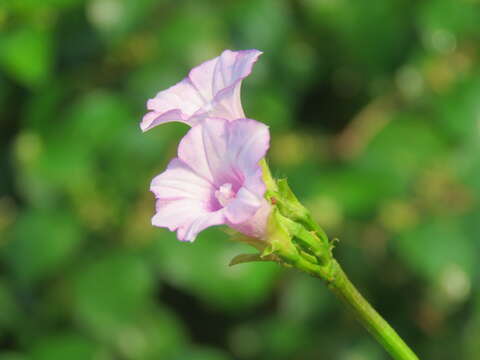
267,178
291,208
279,240
258,244
308,241
291,201
246,258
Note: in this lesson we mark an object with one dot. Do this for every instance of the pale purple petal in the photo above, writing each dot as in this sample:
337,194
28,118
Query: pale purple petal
225,152
247,144
231,68
256,225
176,213
177,103
190,232
205,149
180,181
211,89
185,217
216,179
244,206
185,201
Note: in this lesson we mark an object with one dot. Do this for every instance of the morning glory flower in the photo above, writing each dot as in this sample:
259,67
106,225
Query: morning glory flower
220,177
215,179
211,89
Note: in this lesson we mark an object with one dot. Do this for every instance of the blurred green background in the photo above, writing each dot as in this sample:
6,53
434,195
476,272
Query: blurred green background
374,108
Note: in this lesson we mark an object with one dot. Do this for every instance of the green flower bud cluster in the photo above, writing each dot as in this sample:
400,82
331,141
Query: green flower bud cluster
293,239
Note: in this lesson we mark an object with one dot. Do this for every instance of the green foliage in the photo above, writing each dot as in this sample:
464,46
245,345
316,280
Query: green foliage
19,48
63,346
117,277
450,244
41,243
374,115
238,288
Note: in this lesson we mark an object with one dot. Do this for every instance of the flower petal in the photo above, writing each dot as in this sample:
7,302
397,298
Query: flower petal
214,153
225,152
177,103
219,81
185,201
185,217
256,225
231,68
190,232
244,206
248,143
204,148
180,181
211,89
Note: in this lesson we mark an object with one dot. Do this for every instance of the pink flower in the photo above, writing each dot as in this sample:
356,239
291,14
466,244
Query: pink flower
211,89
216,179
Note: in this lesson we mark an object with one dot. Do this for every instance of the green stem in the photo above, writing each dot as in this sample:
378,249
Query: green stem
290,219
341,286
